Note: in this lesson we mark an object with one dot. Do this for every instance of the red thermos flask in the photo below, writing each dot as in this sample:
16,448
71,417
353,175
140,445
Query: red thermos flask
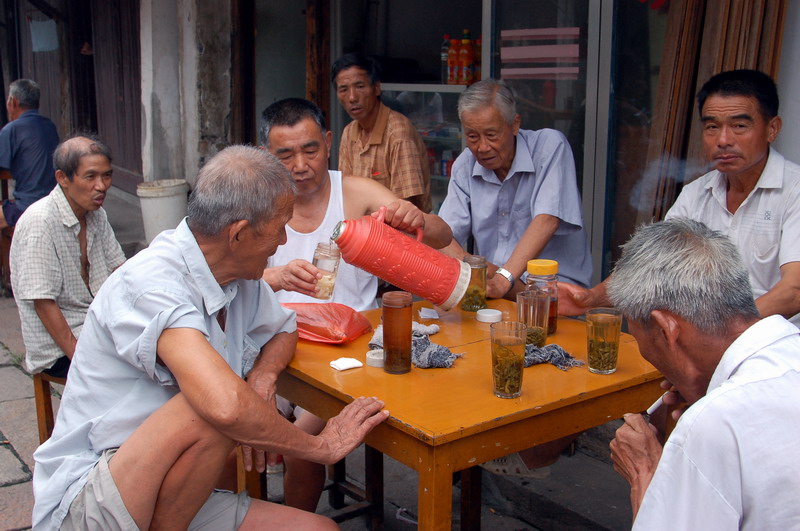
409,264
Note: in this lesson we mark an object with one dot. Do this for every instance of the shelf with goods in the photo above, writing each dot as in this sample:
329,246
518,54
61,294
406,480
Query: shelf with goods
433,111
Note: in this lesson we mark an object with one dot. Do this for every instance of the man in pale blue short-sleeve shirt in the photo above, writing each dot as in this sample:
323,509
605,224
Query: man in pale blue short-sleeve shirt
156,402
515,193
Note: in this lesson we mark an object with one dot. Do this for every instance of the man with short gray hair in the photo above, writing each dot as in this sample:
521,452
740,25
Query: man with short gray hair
729,463
515,192
63,251
27,143
156,400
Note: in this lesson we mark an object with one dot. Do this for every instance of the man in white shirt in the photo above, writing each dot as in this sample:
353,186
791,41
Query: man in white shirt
752,195
729,463
294,131
156,399
63,250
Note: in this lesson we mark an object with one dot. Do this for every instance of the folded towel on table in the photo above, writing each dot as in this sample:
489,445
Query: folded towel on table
424,353
554,354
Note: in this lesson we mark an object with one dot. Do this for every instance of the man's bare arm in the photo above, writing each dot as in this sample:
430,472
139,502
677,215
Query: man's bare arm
298,275
784,297
56,325
229,404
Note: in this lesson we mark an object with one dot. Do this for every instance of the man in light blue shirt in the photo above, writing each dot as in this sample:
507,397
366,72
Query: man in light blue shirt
156,401
515,192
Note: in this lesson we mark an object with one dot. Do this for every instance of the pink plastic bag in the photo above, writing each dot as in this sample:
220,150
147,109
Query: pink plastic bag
328,322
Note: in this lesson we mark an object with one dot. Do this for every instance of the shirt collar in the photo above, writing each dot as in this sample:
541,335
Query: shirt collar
522,163
215,297
757,337
68,217
771,176
376,136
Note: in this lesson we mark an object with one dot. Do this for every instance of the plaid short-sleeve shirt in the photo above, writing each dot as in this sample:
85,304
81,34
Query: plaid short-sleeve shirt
395,156
46,264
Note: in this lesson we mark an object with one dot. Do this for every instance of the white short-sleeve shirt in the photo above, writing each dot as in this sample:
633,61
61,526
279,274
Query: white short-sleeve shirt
730,462
46,264
114,381
765,228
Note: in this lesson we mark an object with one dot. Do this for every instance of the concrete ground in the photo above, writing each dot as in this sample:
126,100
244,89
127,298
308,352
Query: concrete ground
582,491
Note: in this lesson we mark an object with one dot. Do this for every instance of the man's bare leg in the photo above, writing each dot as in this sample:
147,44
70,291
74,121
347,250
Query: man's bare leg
168,467
303,480
265,515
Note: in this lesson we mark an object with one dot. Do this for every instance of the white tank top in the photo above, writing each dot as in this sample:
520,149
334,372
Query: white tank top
354,287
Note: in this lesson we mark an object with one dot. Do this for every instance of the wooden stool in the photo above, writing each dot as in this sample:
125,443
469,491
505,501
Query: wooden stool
44,403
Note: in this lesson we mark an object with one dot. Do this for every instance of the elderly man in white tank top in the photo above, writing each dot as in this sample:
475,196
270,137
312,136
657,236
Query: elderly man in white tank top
294,131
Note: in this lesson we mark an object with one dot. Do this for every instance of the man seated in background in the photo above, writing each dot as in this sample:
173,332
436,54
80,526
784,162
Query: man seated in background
156,400
27,143
514,191
63,251
752,195
728,464
294,131
379,143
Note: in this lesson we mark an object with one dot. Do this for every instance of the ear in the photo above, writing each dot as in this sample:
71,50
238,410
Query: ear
515,125
377,88
236,232
62,179
668,326
773,128
329,141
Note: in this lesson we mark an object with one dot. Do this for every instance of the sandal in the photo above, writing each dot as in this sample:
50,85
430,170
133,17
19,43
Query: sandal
513,465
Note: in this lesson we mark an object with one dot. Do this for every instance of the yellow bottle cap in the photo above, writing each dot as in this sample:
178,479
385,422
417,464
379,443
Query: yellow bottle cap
542,267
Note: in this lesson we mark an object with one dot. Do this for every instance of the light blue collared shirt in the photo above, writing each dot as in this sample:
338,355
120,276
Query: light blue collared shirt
115,382
541,181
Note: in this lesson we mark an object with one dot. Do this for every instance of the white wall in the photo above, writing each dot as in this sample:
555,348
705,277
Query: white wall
788,142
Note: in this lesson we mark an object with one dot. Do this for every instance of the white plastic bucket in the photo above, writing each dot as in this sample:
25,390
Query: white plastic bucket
164,203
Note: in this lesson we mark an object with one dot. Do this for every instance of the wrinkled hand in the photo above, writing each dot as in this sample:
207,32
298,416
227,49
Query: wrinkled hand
635,451
403,215
574,300
300,276
346,430
263,383
497,286
674,398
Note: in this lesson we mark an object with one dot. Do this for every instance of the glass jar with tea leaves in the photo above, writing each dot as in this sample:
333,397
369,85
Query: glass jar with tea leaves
543,275
475,297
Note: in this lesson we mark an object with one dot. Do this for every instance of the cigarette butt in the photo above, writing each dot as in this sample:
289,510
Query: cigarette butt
657,404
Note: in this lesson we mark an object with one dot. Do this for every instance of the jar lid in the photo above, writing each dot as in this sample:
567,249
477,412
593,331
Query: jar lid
375,358
489,316
541,266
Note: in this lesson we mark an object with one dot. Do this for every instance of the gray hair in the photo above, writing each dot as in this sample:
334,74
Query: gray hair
238,183
68,154
488,92
682,266
26,92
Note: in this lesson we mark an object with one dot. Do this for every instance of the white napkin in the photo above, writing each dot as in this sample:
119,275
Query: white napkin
342,364
428,313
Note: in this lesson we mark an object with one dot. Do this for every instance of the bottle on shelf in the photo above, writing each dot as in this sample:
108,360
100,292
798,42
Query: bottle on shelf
444,54
452,62
477,70
466,60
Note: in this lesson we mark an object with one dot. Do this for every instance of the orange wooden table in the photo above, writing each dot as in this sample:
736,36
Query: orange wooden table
446,420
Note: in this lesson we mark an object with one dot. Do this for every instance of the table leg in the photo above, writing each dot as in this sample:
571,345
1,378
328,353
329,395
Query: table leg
338,472
373,471
471,498
435,496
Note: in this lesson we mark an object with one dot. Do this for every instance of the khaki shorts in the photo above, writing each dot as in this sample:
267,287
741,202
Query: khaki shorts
99,506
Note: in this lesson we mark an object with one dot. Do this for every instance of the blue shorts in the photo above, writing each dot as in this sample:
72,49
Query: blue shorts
11,212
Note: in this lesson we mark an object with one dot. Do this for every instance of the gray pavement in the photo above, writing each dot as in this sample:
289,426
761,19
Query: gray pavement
582,491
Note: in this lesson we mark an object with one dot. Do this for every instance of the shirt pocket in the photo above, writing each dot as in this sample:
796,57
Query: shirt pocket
250,352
